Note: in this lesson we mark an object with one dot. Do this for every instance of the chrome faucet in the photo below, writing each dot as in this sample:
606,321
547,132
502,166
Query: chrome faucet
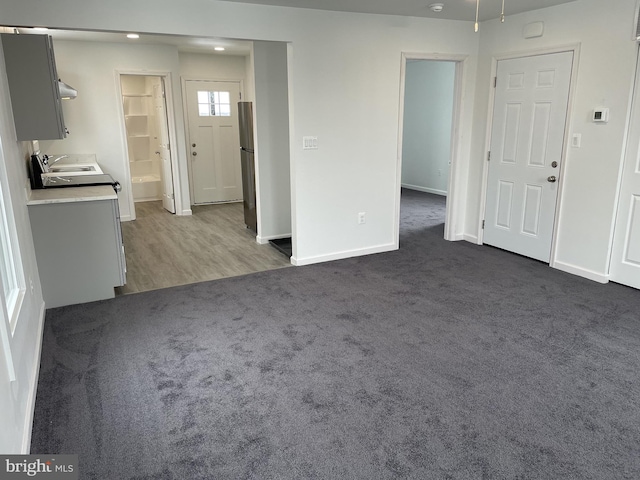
47,164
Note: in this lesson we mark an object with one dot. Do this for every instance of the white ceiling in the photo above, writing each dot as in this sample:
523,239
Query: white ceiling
184,43
452,9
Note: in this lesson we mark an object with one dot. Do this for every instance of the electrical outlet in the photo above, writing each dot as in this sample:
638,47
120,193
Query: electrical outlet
309,143
362,218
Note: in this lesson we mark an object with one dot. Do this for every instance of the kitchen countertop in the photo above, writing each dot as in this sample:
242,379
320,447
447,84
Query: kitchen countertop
71,194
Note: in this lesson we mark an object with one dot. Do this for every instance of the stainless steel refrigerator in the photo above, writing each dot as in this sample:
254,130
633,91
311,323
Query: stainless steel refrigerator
247,162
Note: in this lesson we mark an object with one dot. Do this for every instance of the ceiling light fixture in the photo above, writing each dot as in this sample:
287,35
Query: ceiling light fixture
219,49
476,25
436,7
133,35
41,29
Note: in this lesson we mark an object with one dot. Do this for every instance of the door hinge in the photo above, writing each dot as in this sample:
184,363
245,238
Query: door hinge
495,82
482,224
489,156
240,95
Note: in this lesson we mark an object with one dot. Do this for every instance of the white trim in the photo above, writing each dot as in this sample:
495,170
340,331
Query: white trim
263,240
389,247
185,113
31,399
575,49
173,137
631,108
635,22
582,272
424,189
453,210
471,238
292,153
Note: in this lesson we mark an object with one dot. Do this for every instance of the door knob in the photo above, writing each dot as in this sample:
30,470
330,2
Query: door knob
194,153
551,179
554,164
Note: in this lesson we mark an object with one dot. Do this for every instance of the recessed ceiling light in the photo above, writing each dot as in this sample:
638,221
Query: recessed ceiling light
219,49
436,7
41,29
133,35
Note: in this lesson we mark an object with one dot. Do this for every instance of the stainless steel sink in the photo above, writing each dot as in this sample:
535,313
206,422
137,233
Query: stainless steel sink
72,168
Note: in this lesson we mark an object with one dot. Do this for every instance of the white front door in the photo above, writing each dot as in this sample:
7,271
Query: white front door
214,144
527,139
625,258
162,146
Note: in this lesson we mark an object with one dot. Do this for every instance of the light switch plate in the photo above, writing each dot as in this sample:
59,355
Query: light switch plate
576,140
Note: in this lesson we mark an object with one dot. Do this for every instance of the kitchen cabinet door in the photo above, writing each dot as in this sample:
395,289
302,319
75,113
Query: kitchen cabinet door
33,85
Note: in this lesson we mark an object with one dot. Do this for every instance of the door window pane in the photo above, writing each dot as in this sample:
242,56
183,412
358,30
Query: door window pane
212,104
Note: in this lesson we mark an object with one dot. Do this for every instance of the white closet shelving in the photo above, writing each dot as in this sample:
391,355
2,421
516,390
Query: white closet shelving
144,163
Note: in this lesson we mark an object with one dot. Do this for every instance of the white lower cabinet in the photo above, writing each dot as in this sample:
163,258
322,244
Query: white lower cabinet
79,249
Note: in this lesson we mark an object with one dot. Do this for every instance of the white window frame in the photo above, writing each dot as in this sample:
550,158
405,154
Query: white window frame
214,104
10,255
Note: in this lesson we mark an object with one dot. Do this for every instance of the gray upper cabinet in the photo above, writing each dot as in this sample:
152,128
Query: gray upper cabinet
33,84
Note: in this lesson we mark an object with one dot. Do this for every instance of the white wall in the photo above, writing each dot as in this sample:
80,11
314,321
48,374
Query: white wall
426,137
17,397
95,119
605,73
345,75
271,110
212,66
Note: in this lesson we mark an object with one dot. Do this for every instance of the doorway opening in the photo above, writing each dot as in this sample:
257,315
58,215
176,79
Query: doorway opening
148,147
430,104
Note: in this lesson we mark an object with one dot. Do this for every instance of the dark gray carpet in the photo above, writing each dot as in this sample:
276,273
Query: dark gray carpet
439,361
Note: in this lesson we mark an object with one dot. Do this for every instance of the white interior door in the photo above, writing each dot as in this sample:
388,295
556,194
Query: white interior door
527,139
625,258
163,147
213,140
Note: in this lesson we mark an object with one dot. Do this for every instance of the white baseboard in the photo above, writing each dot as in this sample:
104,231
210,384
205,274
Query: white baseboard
342,255
128,218
425,189
581,272
265,239
31,400
470,238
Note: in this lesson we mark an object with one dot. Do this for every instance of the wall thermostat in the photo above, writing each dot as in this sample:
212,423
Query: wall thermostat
601,115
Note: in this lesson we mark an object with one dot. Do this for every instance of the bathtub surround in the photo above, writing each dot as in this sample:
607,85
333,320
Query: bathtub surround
440,360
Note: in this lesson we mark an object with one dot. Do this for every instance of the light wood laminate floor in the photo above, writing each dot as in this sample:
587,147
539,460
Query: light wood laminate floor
165,250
